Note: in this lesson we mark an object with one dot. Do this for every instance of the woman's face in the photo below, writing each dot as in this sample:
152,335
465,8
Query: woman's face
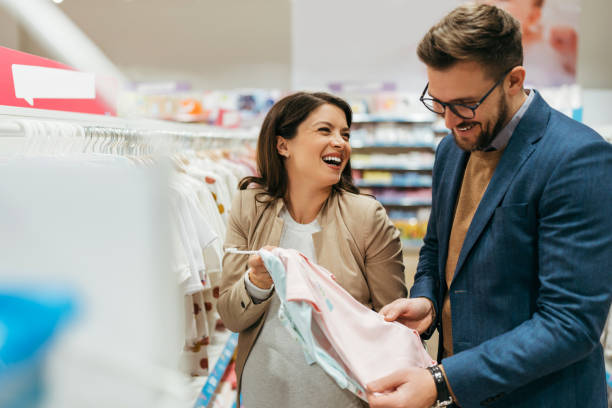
318,153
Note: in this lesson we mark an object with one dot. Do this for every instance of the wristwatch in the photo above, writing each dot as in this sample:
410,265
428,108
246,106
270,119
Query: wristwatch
444,398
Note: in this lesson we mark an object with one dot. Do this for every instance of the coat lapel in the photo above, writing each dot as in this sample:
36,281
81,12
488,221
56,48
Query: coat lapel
450,184
522,144
327,222
277,226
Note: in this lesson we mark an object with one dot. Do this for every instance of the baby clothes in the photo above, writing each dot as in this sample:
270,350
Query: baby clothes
352,343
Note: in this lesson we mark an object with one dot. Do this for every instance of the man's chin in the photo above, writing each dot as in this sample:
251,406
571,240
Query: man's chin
464,144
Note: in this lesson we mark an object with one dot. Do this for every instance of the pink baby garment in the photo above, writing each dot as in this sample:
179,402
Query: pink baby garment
356,337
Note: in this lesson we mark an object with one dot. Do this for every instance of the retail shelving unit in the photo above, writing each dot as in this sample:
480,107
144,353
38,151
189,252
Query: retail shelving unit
393,159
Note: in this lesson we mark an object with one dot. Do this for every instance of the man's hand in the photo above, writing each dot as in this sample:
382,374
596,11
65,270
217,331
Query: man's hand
409,388
258,274
417,313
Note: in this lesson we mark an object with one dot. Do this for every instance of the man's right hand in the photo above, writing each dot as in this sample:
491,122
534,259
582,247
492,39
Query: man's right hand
417,313
258,274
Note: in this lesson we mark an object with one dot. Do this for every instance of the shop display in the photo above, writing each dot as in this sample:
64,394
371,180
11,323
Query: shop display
228,109
393,141
205,167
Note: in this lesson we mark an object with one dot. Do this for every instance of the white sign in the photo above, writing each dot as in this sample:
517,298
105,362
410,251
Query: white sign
33,82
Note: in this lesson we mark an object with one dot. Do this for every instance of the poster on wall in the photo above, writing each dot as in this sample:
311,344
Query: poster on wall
363,44
550,38
373,44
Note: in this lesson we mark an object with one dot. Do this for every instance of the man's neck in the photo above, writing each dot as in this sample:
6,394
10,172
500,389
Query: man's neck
515,105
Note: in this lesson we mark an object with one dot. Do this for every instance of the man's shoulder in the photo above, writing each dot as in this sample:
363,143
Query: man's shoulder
572,131
565,138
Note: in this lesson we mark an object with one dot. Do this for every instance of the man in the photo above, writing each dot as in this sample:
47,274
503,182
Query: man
515,271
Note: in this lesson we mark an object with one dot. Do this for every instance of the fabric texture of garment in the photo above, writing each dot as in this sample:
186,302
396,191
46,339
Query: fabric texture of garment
530,292
351,342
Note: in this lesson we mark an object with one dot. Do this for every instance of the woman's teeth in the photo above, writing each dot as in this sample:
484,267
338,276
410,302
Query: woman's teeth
332,160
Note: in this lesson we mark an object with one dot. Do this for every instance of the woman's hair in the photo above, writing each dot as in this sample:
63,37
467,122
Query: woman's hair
481,33
283,120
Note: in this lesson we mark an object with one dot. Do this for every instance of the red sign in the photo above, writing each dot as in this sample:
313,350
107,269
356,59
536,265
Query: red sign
30,81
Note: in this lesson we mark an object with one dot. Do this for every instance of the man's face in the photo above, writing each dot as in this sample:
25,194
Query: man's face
467,83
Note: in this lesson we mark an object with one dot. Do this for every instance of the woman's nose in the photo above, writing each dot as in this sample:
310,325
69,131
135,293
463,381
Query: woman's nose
338,140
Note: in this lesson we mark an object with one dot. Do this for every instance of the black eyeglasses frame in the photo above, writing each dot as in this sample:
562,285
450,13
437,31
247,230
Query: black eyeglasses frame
451,106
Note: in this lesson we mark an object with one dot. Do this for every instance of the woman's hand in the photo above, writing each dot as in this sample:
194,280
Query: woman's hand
258,274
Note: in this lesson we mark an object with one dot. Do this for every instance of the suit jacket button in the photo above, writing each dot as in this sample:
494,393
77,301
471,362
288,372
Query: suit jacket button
242,304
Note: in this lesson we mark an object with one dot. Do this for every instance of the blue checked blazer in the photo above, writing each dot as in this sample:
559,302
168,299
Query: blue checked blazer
533,283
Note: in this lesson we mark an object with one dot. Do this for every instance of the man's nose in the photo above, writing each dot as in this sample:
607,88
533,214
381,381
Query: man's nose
451,120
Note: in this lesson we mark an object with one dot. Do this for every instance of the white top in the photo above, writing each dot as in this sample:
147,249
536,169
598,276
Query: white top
296,236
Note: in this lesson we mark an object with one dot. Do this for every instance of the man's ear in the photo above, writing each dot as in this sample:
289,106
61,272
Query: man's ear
516,78
282,146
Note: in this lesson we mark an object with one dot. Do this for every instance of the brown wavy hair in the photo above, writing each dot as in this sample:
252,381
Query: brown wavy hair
481,33
283,120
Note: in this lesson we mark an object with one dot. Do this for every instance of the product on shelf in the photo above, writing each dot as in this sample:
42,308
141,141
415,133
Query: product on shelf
230,109
401,161
393,139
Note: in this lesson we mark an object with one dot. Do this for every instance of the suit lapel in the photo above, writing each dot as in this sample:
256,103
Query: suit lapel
450,183
522,144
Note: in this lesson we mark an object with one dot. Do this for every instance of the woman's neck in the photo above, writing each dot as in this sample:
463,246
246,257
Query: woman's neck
304,204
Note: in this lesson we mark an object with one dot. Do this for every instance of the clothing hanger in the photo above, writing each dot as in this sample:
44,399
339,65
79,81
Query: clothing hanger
239,251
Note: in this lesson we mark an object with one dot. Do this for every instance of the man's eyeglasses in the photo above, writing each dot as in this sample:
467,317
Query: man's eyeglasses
462,110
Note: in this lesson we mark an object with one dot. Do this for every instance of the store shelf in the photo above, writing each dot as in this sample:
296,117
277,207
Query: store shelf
392,147
362,183
222,358
390,167
377,118
404,203
412,245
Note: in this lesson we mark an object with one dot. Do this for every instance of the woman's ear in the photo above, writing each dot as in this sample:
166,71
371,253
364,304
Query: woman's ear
282,146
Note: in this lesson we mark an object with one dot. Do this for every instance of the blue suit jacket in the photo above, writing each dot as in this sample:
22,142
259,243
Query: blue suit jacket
533,282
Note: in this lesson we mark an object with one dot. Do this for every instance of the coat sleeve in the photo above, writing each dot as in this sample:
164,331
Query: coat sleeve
235,306
573,299
384,267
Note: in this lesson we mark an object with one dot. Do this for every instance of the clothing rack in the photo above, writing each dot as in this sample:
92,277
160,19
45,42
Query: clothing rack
13,134
65,132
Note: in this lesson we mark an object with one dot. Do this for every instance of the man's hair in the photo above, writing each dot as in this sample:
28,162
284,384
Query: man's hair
481,33
538,3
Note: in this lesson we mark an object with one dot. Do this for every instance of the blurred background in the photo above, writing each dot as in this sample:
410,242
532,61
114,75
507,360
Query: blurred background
125,126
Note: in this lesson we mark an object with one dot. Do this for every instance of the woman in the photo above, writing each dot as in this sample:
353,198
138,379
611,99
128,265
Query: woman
304,199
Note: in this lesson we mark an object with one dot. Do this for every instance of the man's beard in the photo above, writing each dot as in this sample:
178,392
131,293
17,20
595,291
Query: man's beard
486,135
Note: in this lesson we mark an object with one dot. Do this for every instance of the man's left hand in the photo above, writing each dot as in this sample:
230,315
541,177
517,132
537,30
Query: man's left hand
408,388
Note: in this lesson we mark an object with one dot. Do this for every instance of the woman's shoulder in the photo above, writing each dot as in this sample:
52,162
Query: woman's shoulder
362,215
360,212
251,200
357,202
